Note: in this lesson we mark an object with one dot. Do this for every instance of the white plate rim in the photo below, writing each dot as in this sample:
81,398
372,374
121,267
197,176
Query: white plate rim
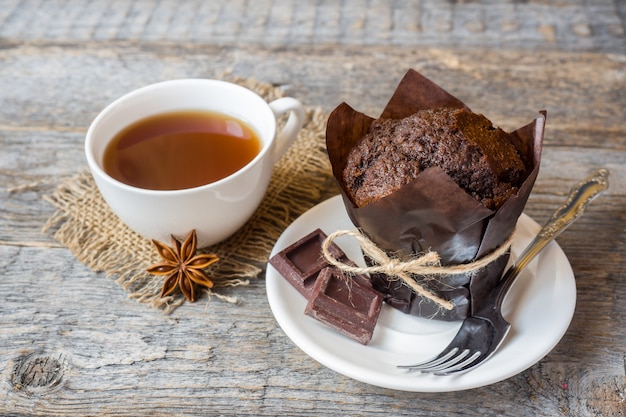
530,340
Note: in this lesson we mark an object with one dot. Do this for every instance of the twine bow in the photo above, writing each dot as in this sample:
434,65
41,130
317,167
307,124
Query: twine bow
426,264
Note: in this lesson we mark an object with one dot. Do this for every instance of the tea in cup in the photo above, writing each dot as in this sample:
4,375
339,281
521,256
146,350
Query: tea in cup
188,154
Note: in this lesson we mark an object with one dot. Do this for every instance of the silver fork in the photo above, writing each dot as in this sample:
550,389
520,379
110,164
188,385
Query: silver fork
481,334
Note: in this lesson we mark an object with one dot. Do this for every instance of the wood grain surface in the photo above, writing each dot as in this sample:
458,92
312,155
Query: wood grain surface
72,343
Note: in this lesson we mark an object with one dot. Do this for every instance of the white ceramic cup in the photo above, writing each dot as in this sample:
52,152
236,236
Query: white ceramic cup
216,210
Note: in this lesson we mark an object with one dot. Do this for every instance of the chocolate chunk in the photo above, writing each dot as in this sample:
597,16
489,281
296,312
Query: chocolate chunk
301,262
347,304
344,304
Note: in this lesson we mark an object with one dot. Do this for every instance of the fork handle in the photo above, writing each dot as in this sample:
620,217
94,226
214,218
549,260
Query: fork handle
580,196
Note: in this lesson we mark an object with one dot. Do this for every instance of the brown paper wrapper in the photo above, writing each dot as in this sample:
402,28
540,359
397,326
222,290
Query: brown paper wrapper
433,212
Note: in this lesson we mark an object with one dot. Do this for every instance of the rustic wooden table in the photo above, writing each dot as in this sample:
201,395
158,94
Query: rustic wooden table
73,343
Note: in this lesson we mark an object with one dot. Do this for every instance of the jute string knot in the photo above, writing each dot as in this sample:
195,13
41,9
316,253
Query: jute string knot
427,264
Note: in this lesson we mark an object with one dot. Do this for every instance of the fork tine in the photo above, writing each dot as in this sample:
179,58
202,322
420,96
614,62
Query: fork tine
431,362
447,364
459,367
446,361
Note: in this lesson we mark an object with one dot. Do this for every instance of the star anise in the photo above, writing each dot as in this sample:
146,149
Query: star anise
183,266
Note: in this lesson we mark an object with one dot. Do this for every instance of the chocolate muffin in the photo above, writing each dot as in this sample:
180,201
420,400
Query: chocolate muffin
479,157
432,176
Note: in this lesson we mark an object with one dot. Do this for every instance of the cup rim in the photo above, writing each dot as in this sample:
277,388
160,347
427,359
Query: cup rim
96,168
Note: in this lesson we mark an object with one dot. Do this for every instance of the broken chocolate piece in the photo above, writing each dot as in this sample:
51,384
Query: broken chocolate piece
301,262
345,305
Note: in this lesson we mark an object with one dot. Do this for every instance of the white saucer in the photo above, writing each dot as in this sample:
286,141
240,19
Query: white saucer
540,307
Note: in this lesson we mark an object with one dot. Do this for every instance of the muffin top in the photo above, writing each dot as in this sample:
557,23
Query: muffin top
479,157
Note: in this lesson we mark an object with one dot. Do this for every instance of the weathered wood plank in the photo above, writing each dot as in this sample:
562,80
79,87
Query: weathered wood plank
581,92
530,25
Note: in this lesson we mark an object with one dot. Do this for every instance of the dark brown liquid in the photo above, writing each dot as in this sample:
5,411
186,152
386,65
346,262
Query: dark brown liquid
177,150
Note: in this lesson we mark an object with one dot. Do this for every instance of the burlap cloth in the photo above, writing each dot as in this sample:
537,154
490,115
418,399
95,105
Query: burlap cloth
84,223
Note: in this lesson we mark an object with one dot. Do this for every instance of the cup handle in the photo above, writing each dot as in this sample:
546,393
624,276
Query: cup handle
294,124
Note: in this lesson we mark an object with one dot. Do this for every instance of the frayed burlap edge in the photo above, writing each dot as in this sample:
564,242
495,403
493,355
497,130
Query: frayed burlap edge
84,223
